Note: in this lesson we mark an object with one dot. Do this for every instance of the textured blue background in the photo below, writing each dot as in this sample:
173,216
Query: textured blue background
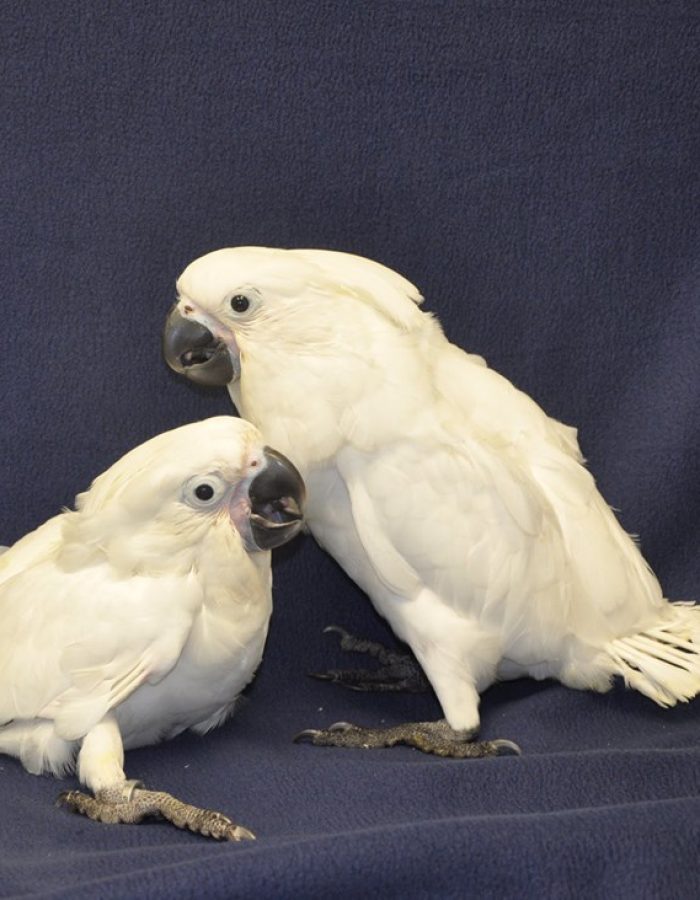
533,168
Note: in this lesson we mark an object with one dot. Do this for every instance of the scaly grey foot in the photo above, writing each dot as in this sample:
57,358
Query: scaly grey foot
130,803
398,671
429,737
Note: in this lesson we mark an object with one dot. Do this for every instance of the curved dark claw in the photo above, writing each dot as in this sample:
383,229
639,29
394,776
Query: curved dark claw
506,748
333,629
309,734
306,736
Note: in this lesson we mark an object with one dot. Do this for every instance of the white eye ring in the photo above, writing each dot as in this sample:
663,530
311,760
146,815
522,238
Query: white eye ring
204,491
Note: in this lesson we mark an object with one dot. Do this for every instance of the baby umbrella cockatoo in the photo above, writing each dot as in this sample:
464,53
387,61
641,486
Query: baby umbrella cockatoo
143,612
447,494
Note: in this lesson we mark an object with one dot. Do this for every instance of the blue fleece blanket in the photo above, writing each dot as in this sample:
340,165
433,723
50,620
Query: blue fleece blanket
533,167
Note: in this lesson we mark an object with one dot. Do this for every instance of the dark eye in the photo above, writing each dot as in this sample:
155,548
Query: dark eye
239,303
204,492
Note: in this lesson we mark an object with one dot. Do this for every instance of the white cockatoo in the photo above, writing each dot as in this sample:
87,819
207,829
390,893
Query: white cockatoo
448,495
144,612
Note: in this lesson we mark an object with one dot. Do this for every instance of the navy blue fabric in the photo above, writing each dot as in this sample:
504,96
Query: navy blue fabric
533,167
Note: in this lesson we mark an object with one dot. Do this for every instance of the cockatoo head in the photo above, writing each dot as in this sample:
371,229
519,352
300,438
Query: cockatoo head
238,304
168,494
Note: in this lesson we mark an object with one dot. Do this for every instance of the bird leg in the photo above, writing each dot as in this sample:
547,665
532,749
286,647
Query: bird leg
402,671
429,737
100,767
129,802
397,671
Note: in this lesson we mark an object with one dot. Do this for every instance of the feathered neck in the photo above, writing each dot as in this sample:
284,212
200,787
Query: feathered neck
175,545
309,404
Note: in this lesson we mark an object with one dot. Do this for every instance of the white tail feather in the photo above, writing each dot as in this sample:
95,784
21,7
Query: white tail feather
662,662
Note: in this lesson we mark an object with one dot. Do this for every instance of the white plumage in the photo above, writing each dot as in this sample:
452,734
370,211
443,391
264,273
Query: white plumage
448,495
140,614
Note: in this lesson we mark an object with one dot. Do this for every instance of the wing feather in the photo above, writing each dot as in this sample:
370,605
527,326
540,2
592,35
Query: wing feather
76,644
494,512
614,589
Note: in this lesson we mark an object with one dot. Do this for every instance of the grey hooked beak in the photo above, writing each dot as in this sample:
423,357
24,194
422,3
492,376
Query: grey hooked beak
190,349
276,502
